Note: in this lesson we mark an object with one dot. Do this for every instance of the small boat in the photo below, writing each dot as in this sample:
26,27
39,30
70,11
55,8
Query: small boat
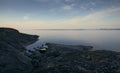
43,49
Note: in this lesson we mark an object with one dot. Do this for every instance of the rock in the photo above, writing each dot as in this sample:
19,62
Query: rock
61,58
12,48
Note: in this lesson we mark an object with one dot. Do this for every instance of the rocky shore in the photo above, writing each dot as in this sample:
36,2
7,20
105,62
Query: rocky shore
58,58
12,48
61,58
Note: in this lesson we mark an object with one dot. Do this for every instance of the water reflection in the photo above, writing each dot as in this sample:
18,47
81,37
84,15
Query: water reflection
100,39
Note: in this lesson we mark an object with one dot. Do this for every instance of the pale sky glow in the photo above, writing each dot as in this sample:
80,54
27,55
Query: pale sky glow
60,14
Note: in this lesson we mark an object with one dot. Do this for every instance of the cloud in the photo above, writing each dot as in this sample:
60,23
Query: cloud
92,17
97,19
92,20
93,3
26,18
67,0
68,7
41,0
46,1
83,7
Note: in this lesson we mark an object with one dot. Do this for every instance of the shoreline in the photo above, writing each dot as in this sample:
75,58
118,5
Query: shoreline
57,58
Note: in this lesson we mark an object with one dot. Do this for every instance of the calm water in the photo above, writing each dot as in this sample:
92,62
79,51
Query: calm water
99,39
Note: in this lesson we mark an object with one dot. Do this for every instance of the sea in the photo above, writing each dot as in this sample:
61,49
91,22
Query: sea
99,39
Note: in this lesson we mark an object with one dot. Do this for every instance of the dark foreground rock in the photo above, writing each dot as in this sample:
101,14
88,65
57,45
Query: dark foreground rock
12,48
61,58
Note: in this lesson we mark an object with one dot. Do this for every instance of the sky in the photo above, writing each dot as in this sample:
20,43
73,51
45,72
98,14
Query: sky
59,14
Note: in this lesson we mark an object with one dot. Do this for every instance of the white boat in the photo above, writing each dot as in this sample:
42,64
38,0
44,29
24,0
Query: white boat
43,49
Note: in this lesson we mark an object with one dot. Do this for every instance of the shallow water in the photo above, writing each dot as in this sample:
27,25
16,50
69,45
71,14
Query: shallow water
99,39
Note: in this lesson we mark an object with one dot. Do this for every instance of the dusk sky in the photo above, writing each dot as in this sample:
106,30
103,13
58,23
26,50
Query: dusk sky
59,14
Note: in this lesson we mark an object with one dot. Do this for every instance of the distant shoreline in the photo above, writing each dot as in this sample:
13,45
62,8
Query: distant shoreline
77,29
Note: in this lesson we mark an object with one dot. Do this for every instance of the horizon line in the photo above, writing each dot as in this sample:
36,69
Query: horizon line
83,29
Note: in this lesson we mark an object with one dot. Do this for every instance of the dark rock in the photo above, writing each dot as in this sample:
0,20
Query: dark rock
61,58
12,48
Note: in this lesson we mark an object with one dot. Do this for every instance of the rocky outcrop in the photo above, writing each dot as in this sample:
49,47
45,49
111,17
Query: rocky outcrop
12,48
61,58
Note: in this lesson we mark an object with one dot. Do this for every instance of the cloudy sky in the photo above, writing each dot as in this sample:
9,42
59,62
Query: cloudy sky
59,14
